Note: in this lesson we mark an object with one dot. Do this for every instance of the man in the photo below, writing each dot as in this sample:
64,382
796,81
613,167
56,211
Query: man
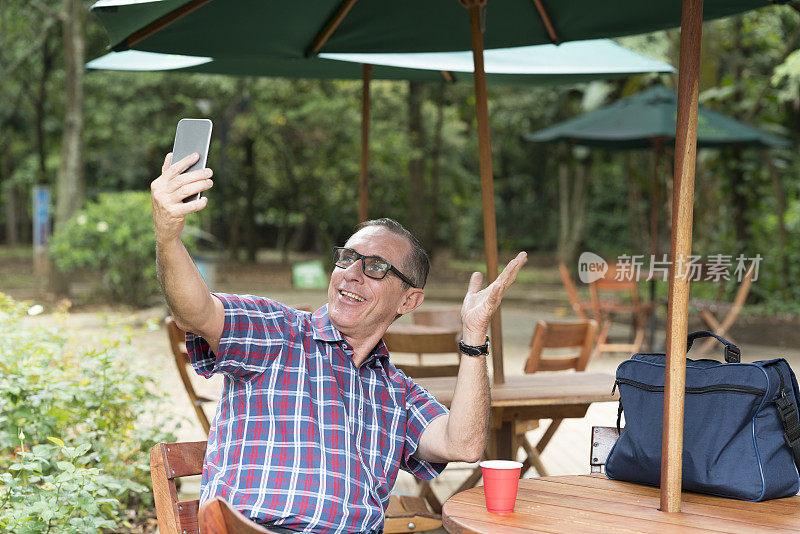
315,422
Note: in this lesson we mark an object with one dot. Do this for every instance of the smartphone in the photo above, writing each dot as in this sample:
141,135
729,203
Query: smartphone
192,135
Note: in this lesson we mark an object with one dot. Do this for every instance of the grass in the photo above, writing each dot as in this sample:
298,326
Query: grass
16,253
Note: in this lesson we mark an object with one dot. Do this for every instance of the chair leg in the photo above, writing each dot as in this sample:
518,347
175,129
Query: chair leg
548,435
470,482
426,492
534,459
602,338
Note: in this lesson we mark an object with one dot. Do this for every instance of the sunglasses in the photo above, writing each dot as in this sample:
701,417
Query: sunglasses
372,266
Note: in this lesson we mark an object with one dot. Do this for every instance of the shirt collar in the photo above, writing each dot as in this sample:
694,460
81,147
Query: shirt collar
324,331
322,327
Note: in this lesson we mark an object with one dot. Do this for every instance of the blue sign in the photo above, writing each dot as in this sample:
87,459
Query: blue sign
41,217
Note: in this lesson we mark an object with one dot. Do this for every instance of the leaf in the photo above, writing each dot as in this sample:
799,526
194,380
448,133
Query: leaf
56,441
81,449
65,466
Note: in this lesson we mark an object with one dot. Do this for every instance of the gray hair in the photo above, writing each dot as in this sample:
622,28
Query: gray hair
416,264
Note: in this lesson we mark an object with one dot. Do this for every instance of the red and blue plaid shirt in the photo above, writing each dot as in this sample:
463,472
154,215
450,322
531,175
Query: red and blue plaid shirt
303,438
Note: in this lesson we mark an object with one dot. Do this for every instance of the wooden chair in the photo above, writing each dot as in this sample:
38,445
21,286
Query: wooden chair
421,340
177,341
579,336
443,316
171,461
603,438
721,327
605,309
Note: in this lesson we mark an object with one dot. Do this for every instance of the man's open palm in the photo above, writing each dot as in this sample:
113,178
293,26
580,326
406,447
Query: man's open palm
479,306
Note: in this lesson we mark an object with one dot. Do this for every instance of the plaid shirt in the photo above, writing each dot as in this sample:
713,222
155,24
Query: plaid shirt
302,438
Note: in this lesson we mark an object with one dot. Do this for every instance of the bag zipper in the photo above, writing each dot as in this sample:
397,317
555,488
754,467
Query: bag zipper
732,388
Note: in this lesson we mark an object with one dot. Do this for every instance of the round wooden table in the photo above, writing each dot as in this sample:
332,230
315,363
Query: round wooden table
593,503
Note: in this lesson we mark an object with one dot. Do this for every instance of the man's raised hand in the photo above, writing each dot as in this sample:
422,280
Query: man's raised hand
479,306
168,191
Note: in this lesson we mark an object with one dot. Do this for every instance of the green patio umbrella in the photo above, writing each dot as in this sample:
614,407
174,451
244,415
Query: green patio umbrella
648,117
576,62
307,27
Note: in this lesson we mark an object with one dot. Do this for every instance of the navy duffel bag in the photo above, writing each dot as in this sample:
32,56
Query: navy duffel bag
741,434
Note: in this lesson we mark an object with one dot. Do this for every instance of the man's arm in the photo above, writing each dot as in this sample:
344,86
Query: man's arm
193,307
462,434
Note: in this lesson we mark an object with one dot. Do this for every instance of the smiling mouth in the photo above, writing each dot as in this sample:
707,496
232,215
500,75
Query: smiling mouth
352,296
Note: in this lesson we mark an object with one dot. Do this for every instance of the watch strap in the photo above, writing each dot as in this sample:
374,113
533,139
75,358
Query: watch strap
474,350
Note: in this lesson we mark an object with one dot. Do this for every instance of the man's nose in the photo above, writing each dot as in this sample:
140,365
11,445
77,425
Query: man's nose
354,271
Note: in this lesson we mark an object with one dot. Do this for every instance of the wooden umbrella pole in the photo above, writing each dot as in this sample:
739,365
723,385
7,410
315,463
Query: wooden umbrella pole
681,247
363,178
487,186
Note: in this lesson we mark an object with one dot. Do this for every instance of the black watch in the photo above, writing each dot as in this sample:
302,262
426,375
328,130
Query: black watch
473,350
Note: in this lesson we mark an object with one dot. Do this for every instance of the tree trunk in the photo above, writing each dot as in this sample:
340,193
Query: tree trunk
578,208
250,193
416,182
572,211
41,100
780,205
436,157
563,213
634,203
70,183
10,195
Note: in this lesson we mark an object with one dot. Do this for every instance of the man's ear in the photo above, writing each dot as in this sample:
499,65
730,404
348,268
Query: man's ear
411,300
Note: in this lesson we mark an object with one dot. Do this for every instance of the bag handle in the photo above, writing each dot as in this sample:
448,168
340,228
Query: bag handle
732,352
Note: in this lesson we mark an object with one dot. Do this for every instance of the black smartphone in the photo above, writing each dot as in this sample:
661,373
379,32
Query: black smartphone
192,135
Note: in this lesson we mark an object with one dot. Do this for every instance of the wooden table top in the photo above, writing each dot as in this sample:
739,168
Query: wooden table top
537,389
593,503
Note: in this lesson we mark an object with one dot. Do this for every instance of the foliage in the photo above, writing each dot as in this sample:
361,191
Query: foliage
73,437
113,239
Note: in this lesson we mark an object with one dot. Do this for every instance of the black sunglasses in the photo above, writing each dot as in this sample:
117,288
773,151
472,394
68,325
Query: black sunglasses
372,266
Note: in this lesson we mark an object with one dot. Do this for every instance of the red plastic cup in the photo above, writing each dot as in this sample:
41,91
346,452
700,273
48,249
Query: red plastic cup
500,481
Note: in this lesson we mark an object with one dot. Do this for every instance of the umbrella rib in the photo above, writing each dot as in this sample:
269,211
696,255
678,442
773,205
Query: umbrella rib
331,27
548,24
161,23
448,76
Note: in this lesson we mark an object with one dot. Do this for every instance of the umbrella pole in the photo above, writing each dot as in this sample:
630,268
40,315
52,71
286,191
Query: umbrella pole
487,186
681,247
363,178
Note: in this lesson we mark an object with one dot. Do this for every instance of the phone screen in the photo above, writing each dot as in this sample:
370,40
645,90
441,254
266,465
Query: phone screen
193,135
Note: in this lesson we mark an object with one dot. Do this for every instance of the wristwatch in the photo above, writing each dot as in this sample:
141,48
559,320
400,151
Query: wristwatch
474,350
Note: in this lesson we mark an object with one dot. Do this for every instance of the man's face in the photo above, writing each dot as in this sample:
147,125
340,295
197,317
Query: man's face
360,306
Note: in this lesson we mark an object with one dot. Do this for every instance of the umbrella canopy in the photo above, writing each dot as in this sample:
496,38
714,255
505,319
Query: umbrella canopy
576,62
640,120
293,28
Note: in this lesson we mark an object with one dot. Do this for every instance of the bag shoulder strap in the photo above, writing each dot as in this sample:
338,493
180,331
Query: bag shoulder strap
787,411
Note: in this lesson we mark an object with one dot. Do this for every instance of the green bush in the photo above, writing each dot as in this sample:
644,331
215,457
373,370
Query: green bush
75,431
113,238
